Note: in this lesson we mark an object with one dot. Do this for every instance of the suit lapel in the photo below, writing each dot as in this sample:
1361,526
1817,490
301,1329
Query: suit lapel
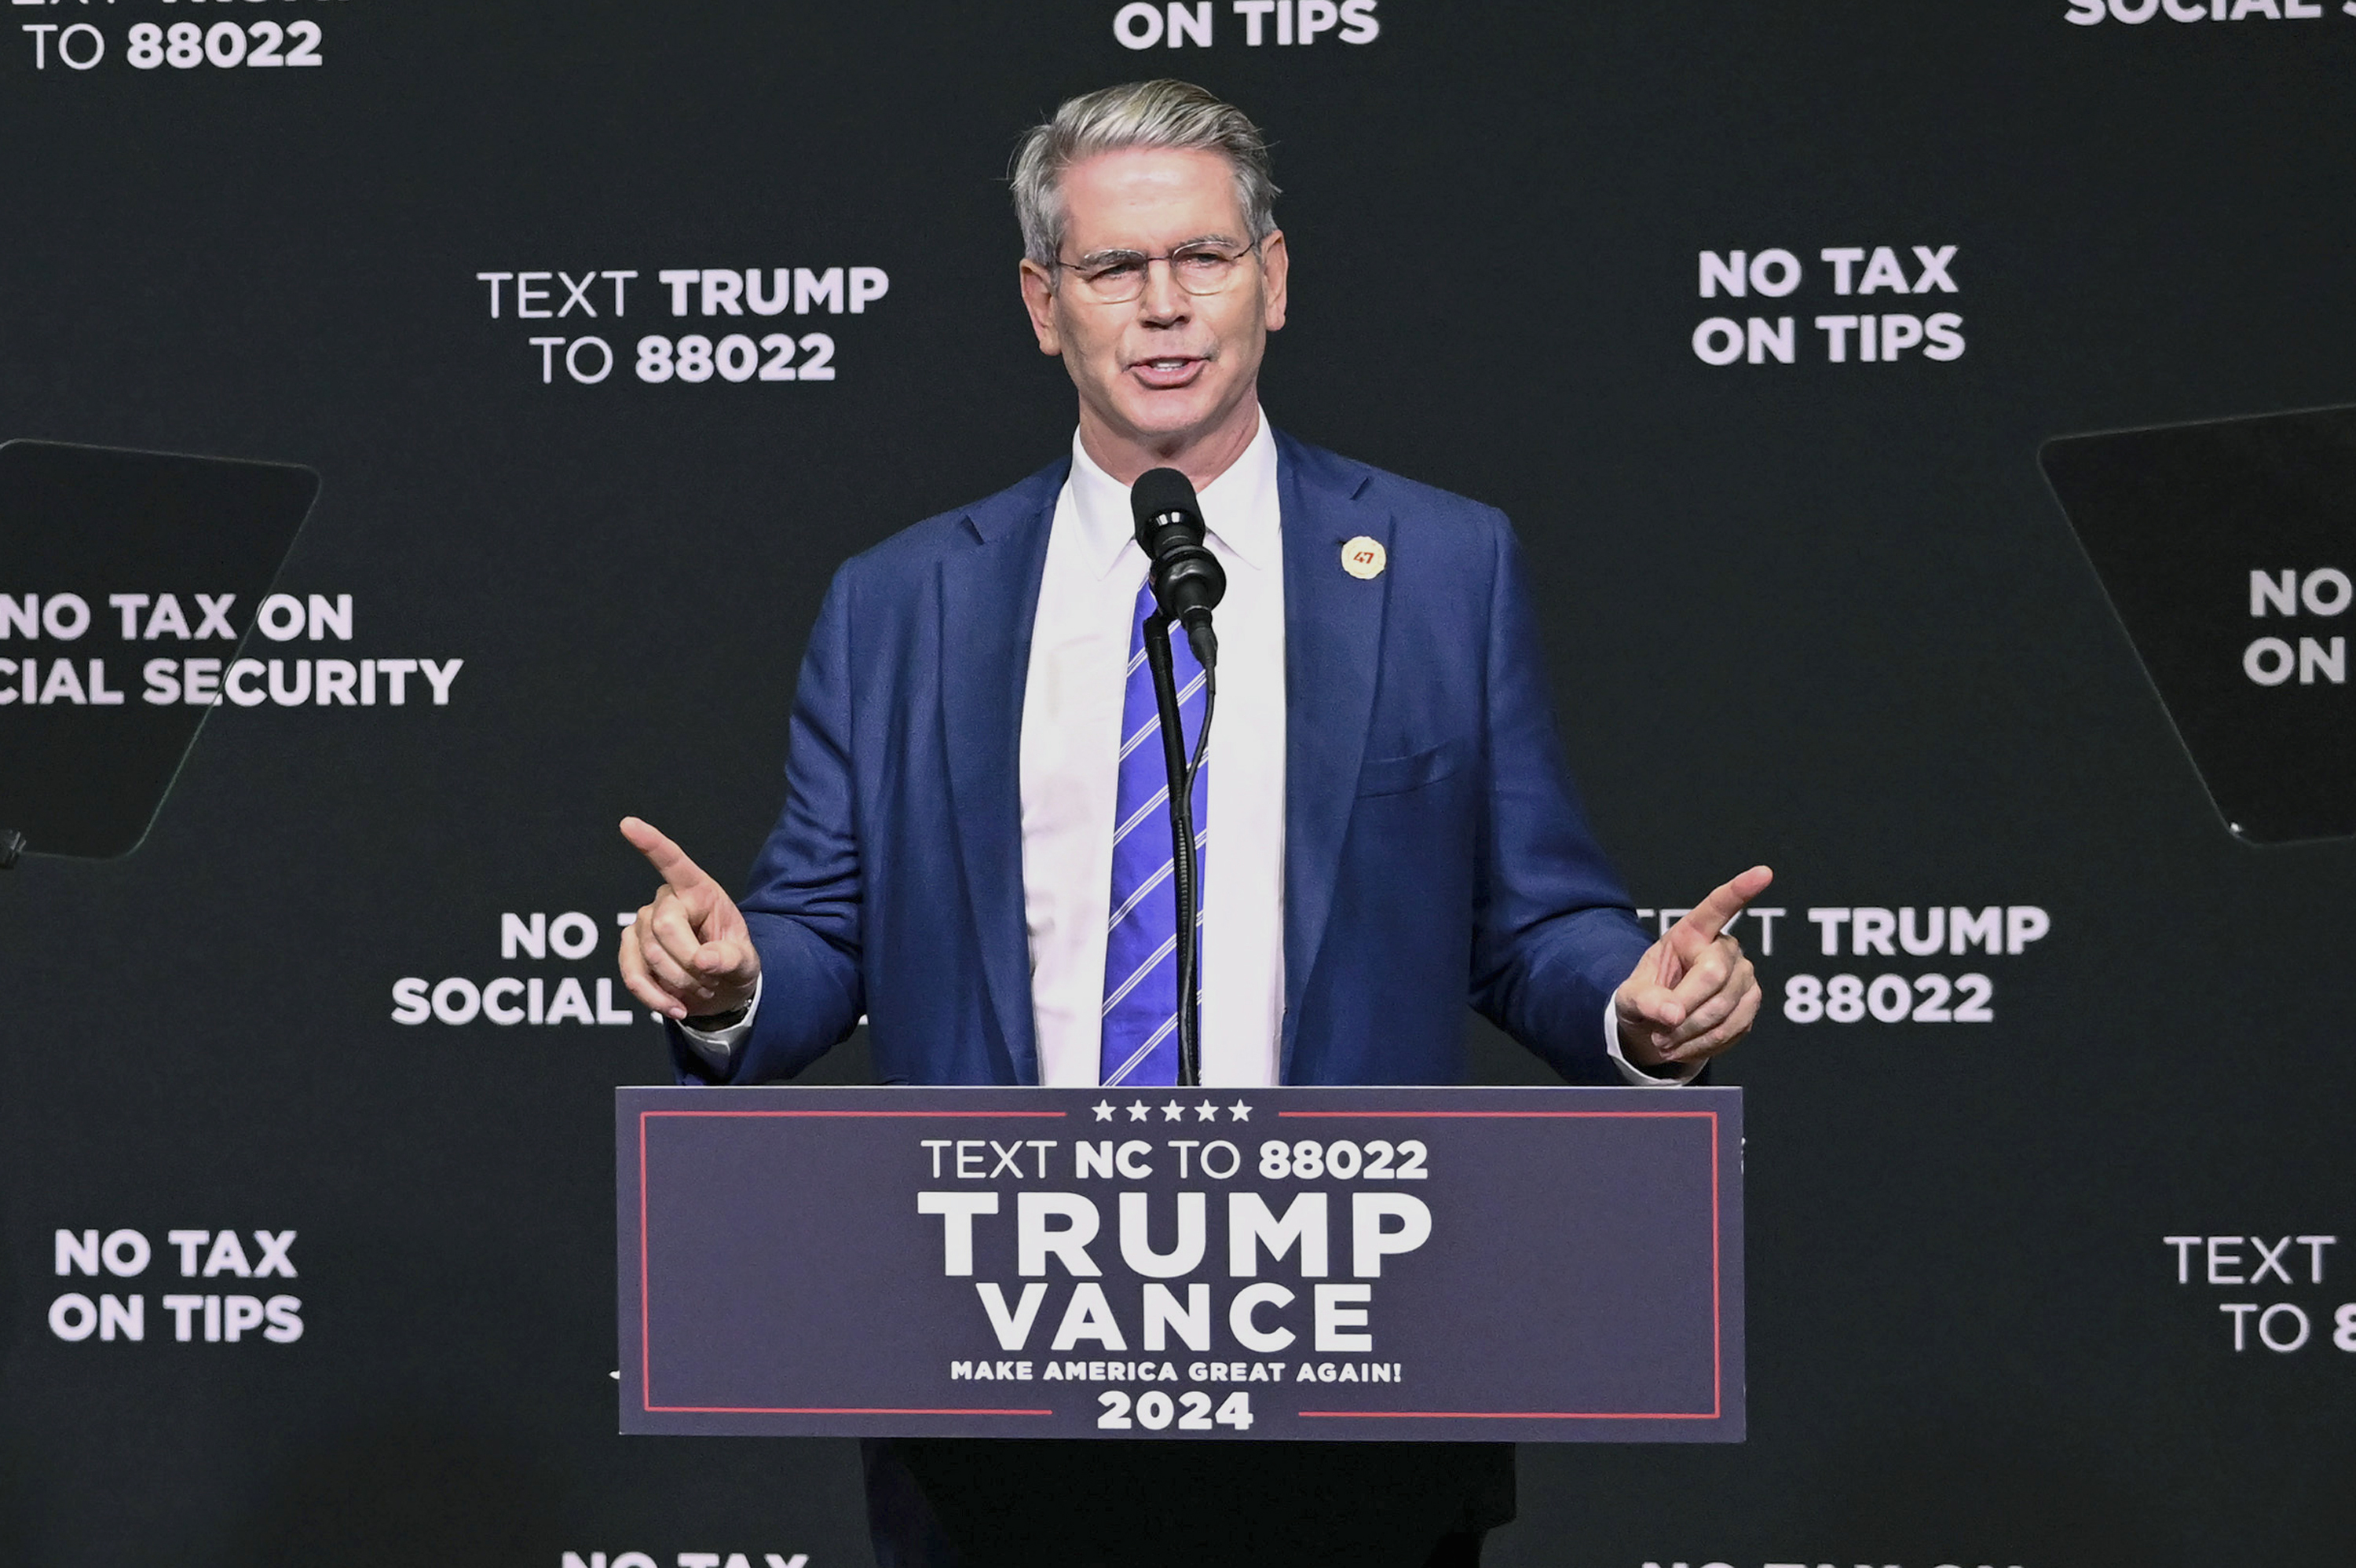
989,593
1333,640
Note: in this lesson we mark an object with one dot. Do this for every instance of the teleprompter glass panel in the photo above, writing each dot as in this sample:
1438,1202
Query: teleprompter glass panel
2228,549
85,757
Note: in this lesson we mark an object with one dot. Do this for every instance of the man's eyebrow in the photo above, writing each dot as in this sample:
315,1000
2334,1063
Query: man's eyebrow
1123,253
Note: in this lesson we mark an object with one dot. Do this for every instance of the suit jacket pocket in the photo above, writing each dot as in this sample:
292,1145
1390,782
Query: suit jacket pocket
1398,775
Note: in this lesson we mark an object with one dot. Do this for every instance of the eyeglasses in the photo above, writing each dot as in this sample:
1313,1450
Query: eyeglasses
1117,277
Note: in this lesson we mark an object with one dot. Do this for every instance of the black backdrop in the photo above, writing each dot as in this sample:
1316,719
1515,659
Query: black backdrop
1825,615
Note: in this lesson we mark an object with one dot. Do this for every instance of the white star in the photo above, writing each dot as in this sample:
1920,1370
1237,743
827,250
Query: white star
1172,1112
1241,1112
1137,1111
1103,1111
1206,1112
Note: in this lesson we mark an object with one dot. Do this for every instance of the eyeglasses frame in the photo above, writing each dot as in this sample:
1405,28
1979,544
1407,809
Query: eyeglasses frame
1147,262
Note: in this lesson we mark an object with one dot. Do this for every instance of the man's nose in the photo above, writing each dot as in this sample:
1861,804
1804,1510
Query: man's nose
1162,301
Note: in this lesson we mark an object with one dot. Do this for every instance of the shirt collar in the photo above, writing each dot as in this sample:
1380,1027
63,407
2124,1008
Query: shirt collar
1239,507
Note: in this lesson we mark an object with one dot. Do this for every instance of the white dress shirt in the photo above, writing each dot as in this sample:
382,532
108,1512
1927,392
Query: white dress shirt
1070,749
1071,770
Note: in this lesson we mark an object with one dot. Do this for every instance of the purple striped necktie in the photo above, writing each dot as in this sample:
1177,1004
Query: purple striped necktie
1140,1005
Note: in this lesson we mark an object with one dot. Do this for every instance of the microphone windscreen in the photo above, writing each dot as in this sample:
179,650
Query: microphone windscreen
1157,492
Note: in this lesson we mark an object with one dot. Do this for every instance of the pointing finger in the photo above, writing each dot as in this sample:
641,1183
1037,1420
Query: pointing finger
666,857
1702,924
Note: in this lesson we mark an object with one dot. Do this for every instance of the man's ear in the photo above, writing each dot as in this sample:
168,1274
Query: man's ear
1275,264
1039,299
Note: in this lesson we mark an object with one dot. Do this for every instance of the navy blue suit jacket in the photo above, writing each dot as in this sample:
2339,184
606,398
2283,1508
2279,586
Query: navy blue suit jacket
1434,851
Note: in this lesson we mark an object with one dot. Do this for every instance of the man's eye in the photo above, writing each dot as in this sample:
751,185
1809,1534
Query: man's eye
1112,271
1203,261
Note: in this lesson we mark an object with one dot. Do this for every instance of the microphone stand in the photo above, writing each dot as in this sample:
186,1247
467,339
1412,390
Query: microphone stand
1182,882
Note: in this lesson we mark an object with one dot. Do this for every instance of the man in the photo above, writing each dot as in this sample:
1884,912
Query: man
1387,825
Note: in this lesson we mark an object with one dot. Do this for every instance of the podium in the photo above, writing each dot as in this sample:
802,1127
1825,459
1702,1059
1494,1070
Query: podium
1549,1264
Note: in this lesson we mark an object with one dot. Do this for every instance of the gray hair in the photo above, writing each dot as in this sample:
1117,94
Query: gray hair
1175,115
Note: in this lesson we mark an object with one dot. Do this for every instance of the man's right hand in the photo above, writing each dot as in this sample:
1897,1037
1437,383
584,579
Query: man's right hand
689,954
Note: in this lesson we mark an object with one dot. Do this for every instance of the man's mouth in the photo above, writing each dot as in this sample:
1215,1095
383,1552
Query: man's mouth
1167,369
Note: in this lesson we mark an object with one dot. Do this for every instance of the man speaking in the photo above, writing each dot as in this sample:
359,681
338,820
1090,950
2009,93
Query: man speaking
975,851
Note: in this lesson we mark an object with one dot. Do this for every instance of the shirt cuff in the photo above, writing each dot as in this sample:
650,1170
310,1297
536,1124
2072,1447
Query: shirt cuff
1686,1071
717,1046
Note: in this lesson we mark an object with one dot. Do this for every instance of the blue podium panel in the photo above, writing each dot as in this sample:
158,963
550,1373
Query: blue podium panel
1482,1265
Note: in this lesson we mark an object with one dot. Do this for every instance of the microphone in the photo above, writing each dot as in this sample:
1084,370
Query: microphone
1188,580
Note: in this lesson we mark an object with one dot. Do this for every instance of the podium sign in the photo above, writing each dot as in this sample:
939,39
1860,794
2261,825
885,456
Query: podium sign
1478,1264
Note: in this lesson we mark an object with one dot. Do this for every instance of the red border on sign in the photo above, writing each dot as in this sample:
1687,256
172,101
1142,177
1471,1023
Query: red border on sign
1717,1286
1717,1280
646,1334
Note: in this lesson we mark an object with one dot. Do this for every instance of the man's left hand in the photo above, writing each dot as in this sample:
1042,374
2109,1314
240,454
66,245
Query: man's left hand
1693,994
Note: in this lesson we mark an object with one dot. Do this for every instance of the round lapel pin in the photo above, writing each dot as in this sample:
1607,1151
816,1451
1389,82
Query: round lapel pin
1364,558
